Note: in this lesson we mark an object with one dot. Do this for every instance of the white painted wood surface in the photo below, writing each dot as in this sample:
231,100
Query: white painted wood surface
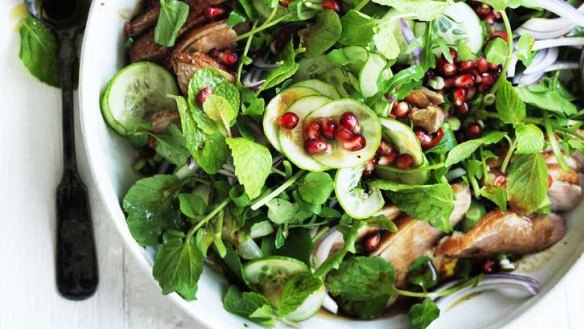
30,167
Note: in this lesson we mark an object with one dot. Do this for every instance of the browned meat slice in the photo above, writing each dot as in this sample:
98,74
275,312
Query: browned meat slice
215,35
146,18
161,120
500,232
565,192
145,49
415,238
185,65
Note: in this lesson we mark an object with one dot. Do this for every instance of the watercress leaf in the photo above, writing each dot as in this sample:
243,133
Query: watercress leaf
496,51
349,237
422,272
464,150
547,98
382,222
191,205
219,110
281,211
248,303
149,204
319,37
316,187
284,71
527,183
402,83
173,15
296,290
510,107
496,194
172,146
203,240
39,51
357,29
253,164
524,46
423,314
529,139
423,10
298,245
178,266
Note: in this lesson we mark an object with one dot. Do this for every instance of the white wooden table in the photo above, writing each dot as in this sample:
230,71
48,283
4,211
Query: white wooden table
30,169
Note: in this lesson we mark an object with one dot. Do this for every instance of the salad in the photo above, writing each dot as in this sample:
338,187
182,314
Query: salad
350,156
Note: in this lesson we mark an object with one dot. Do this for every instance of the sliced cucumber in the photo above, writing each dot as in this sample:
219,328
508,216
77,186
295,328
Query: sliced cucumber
277,106
357,57
460,23
413,178
292,140
134,93
356,202
372,70
309,307
269,274
339,157
321,87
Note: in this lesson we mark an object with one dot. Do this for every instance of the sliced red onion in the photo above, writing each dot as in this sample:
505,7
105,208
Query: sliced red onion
251,79
561,42
562,9
248,249
329,304
542,60
562,65
262,64
455,173
325,245
409,37
527,79
261,229
513,66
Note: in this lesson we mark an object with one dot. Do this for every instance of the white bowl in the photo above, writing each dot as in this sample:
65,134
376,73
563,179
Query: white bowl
110,164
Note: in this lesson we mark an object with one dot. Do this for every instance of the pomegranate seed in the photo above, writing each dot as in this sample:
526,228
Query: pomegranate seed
494,67
327,128
213,13
483,10
400,109
228,58
472,92
497,14
466,66
369,167
499,34
459,96
404,161
478,77
454,55
284,3
371,241
203,94
358,142
316,146
550,181
482,65
449,69
386,160
343,134
501,181
312,131
489,266
490,18
385,148
288,120
448,83
427,140
349,121
474,131
464,81
463,109
332,5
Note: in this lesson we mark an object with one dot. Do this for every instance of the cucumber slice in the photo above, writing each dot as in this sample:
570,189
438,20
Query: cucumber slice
269,274
338,157
460,23
356,202
292,140
321,87
414,178
357,57
309,307
277,106
134,93
372,70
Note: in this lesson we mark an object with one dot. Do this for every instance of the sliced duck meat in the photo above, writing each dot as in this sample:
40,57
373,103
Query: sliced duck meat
185,65
415,238
146,19
145,49
505,232
430,118
565,191
572,161
161,120
215,35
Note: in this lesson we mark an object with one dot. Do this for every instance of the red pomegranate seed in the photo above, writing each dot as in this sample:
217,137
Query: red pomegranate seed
474,131
427,140
213,13
464,81
490,18
228,58
448,83
454,55
404,161
385,148
332,5
316,146
312,131
203,94
459,96
449,69
371,241
284,3
482,65
494,67
466,66
499,34
400,109
358,142
478,77
550,181
327,128
501,181
483,10
470,95
370,165
343,134
489,266
463,109
288,120
349,121
388,159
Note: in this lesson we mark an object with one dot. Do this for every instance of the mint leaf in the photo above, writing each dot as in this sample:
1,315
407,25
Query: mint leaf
547,98
172,146
423,10
191,205
149,204
496,51
178,265
464,150
250,103
253,164
524,46
388,38
496,194
357,29
219,110
296,290
316,187
39,51
173,15
247,304
285,71
423,314
527,183
319,37
510,107
529,139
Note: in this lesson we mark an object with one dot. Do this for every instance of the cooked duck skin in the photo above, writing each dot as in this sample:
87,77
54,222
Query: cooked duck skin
185,65
499,232
145,49
161,120
215,35
565,191
144,20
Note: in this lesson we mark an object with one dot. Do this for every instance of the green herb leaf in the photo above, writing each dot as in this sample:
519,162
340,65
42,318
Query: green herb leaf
296,290
496,51
496,194
464,150
527,183
250,305
510,107
316,187
357,29
349,237
173,15
529,139
547,97
235,17
423,10
219,110
172,146
388,38
281,211
319,37
423,314
191,205
421,272
285,71
39,51
524,46
253,164
403,82
250,103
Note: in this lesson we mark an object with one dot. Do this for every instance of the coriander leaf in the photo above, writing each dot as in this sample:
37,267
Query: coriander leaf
529,139
496,51
172,146
464,150
191,205
524,46
527,183
39,51
319,37
432,203
173,15
149,204
362,285
403,82
248,303
285,71
423,10
546,98
253,164
177,266
423,314
496,194
219,110
357,29
316,187
296,290
510,107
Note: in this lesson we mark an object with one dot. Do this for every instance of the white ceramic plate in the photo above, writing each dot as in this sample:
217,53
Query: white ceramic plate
110,158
